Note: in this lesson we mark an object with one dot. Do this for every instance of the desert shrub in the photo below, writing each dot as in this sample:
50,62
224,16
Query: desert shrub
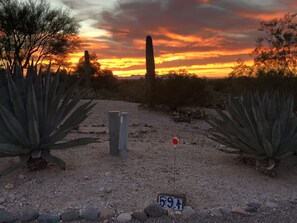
131,90
36,113
107,82
261,127
220,89
177,91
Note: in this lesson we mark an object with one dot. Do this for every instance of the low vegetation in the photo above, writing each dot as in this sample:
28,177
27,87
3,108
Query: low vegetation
261,127
36,113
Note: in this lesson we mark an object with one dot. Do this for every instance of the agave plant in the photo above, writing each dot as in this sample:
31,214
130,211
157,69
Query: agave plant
36,113
259,127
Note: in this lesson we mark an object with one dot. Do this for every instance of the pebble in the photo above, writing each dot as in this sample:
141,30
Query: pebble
106,213
11,196
6,217
86,177
2,200
48,218
2,207
124,218
238,210
108,190
216,212
154,210
70,215
139,215
29,214
9,186
90,213
271,204
187,212
254,205
203,213
21,176
225,211
251,209
107,174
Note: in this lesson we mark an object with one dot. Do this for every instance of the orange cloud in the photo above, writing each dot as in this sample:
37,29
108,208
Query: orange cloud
202,36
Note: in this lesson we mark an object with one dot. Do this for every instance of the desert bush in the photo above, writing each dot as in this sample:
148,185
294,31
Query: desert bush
36,113
261,127
177,90
107,82
131,90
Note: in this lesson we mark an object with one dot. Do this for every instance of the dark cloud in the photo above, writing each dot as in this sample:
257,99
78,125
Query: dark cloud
179,26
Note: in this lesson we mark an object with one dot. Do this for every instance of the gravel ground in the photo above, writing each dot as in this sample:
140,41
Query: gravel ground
208,177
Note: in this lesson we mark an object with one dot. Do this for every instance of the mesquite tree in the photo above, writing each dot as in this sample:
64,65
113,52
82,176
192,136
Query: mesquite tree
277,45
32,29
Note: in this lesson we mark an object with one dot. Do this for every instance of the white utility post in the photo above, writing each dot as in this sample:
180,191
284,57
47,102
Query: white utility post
118,134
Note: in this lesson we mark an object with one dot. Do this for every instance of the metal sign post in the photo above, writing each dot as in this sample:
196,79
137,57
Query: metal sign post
118,133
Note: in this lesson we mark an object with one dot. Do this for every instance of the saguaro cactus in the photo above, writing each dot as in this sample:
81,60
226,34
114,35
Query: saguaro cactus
150,71
87,69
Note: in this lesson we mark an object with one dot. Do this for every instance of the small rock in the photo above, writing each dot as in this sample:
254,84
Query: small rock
251,209
154,210
271,204
177,212
124,218
48,218
90,213
216,212
11,196
106,213
70,215
9,186
187,212
139,215
2,207
225,211
6,216
29,214
86,177
101,189
238,210
254,205
21,176
108,190
107,174
203,213
2,200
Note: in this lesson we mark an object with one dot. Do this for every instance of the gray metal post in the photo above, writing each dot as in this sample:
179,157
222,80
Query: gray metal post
123,136
114,127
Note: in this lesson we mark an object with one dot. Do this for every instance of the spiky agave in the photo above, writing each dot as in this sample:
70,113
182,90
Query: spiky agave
36,113
260,127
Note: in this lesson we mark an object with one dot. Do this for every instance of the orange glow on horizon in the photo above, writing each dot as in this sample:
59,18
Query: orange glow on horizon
125,67
214,70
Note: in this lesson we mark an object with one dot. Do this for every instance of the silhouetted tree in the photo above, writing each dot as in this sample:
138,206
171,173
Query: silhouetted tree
94,66
276,48
33,29
241,69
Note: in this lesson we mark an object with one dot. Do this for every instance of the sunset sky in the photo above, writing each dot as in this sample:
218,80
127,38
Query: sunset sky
205,37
